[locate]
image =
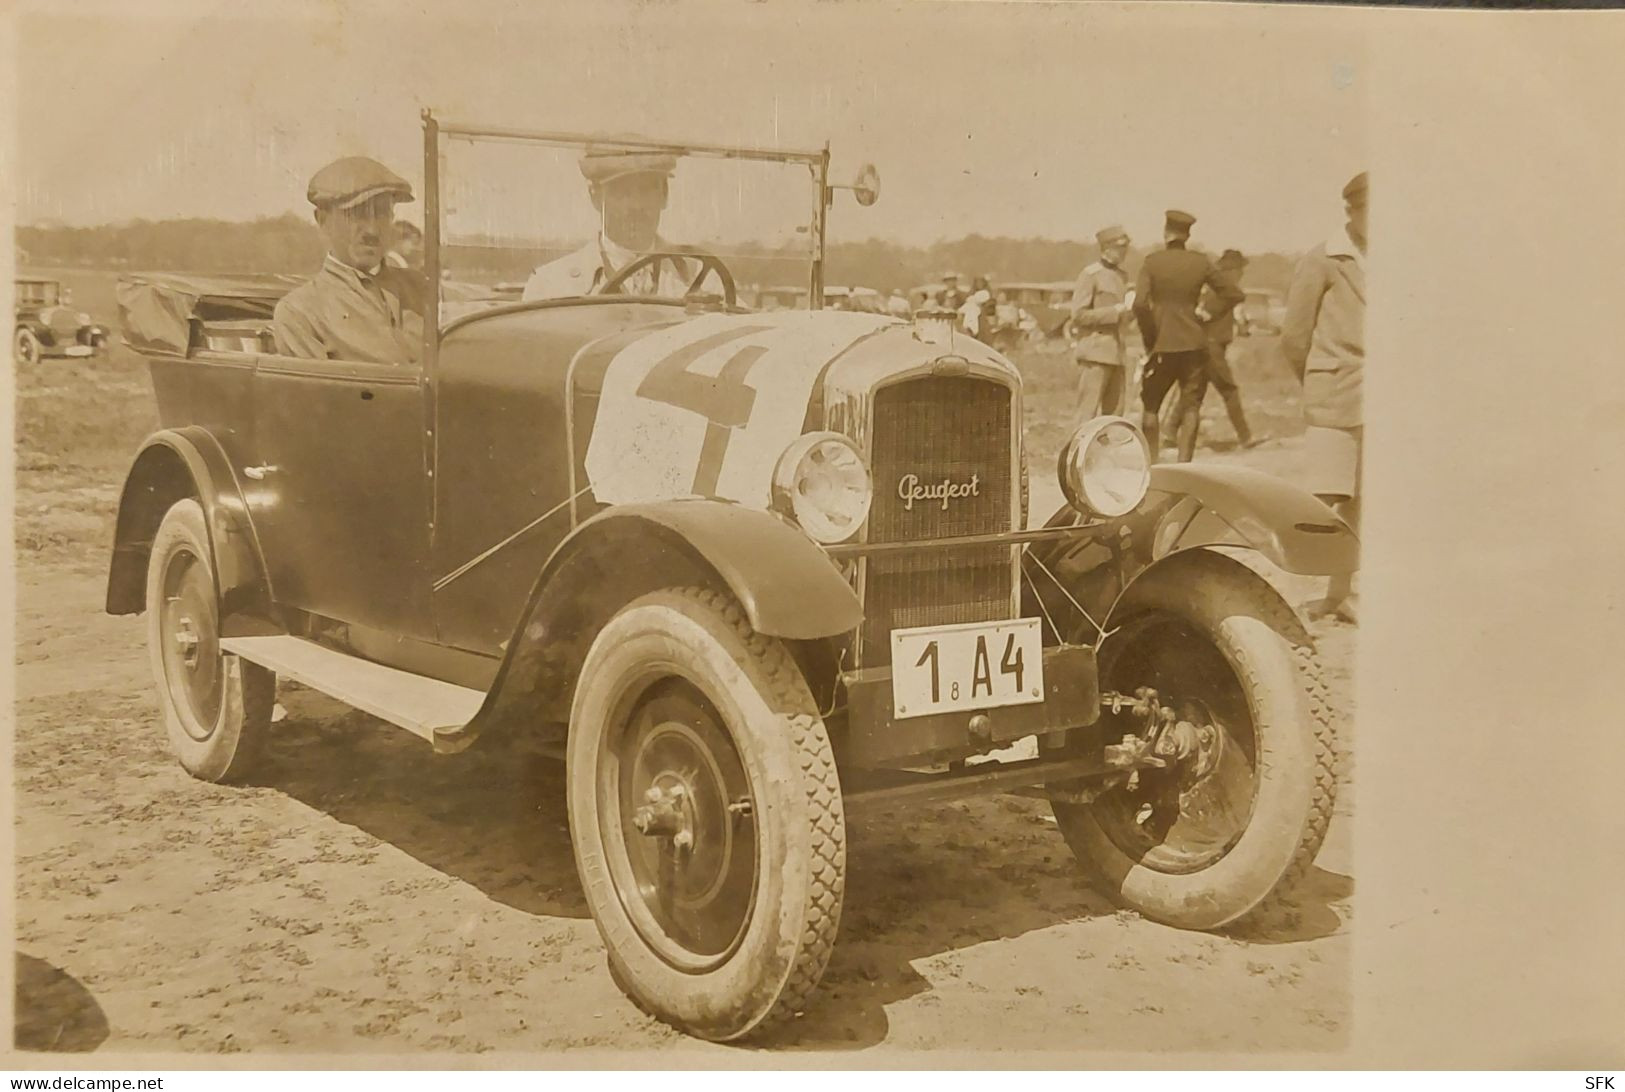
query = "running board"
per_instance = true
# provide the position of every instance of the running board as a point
(421, 705)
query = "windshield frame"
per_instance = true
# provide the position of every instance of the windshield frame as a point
(434, 130)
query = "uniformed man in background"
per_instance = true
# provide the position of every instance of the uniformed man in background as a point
(629, 190)
(358, 306)
(1165, 301)
(1218, 313)
(1323, 340)
(1102, 302)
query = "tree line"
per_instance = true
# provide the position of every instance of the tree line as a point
(291, 244)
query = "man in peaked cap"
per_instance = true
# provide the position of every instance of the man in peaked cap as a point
(1102, 302)
(358, 306)
(1165, 302)
(629, 190)
(1323, 339)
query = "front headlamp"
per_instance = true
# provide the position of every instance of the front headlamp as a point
(822, 484)
(1105, 469)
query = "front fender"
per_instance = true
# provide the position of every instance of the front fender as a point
(1239, 506)
(787, 586)
(174, 464)
(1188, 507)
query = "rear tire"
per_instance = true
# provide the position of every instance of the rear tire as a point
(681, 706)
(1234, 838)
(216, 708)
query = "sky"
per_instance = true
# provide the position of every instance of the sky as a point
(998, 118)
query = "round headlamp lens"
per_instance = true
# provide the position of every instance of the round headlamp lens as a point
(822, 484)
(1106, 467)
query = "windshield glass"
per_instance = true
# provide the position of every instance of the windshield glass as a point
(527, 219)
(37, 293)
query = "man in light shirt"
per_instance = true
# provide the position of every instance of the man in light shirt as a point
(1323, 339)
(629, 189)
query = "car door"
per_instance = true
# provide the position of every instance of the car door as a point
(340, 492)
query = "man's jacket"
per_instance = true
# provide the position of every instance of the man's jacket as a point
(1323, 334)
(1165, 298)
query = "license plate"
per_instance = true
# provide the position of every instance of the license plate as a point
(974, 665)
(77, 350)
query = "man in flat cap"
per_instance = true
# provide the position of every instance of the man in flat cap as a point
(1102, 302)
(1323, 339)
(629, 190)
(1218, 314)
(358, 306)
(1165, 301)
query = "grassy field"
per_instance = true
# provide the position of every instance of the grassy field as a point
(79, 423)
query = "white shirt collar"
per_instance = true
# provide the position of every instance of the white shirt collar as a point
(1339, 244)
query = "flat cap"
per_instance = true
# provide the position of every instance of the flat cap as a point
(352, 180)
(1180, 220)
(604, 164)
(1355, 192)
(1108, 235)
(1232, 259)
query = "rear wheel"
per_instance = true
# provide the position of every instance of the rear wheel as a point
(217, 709)
(706, 815)
(1229, 831)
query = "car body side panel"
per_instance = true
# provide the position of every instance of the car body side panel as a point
(787, 586)
(503, 459)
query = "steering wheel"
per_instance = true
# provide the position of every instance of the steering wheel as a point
(709, 263)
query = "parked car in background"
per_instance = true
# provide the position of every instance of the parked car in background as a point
(48, 325)
(1260, 313)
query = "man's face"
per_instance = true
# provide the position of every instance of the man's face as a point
(631, 206)
(1115, 251)
(410, 248)
(1356, 213)
(359, 235)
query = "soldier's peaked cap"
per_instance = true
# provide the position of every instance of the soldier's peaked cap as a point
(604, 164)
(346, 182)
(1179, 221)
(1355, 192)
(1109, 235)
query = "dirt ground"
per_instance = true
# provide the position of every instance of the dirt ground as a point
(365, 896)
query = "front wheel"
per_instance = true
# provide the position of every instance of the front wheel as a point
(25, 347)
(216, 708)
(706, 815)
(1228, 831)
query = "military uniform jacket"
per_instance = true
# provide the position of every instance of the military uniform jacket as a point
(1097, 324)
(1323, 334)
(1165, 298)
(1220, 305)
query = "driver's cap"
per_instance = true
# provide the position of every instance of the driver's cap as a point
(605, 164)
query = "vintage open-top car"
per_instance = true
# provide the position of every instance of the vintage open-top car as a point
(748, 573)
(45, 324)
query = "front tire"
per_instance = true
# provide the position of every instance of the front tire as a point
(706, 815)
(216, 708)
(25, 347)
(1227, 836)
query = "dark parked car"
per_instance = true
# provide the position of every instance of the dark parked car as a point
(47, 326)
(748, 572)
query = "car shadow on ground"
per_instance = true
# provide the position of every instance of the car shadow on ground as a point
(493, 816)
(55, 1012)
(922, 883)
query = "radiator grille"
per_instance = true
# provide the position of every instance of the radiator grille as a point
(938, 429)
